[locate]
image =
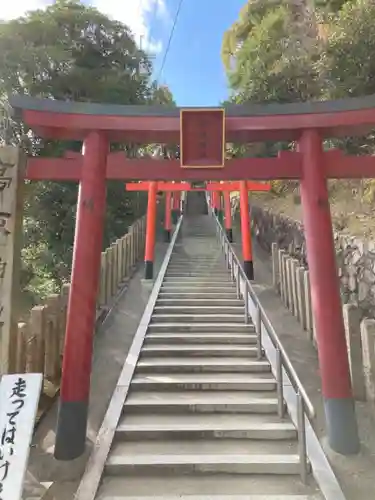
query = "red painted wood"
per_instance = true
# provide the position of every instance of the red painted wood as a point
(168, 211)
(235, 186)
(336, 165)
(247, 252)
(286, 166)
(325, 295)
(227, 210)
(163, 129)
(151, 223)
(202, 138)
(76, 370)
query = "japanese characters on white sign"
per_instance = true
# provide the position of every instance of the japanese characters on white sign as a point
(19, 397)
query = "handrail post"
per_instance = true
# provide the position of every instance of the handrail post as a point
(238, 284)
(279, 380)
(246, 299)
(258, 328)
(301, 429)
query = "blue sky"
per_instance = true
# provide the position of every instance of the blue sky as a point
(193, 69)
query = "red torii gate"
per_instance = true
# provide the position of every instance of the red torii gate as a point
(215, 188)
(202, 135)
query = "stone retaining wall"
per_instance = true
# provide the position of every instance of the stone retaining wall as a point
(355, 257)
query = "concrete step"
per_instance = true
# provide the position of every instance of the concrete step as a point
(198, 350)
(201, 338)
(191, 272)
(230, 464)
(200, 327)
(212, 497)
(178, 295)
(197, 310)
(197, 318)
(198, 288)
(198, 282)
(222, 302)
(159, 426)
(201, 402)
(203, 364)
(198, 279)
(219, 455)
(207, 487)
(204, 381)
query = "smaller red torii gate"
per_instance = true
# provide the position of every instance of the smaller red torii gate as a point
(215, 188)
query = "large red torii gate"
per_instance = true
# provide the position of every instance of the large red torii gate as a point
(202, 134)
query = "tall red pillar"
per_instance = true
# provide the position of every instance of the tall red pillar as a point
(168, 216)
(176, 200)
(150, 231)
(247, 251)
(76, 370)
(327, 309)
(215, 202)
(228, 216)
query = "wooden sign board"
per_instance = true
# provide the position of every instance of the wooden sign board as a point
(202, 138)
(19, 398)
(12, 165)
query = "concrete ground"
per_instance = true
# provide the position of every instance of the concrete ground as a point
(356, 474)
(112, 343)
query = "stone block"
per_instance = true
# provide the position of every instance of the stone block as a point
(275, 267)
(368, 355)
(301, 305)
(293, 266)
(352, 322)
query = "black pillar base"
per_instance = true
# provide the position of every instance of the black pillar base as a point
(229, 233)
(149, 270)
(71, 430)
(248, 267)
(167, 235)
(215, 211)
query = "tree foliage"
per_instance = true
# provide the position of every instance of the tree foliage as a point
(70, 51)
(297, 50)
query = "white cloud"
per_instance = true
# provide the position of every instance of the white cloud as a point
(137, 14)
(16, 8)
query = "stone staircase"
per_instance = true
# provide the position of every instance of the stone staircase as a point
(200, 420)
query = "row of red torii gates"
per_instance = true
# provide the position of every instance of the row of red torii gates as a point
(172, 192)
(202, 135)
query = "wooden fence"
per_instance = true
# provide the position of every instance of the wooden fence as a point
(292, 282)
(40, 340)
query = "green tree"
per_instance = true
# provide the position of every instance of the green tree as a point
(70, 52)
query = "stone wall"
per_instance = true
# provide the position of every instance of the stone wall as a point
(355, 257)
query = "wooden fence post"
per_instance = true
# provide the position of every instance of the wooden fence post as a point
(65, 291)
(275, 267)
(301, 296)
(109, 274)
(114, 269)
(52, 338)
(352, 323)
(37, 331)
(22, 338)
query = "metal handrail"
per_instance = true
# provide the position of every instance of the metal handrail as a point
(304, 404)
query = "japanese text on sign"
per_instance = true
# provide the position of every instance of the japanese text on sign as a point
(19, 396)
(202, 138)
